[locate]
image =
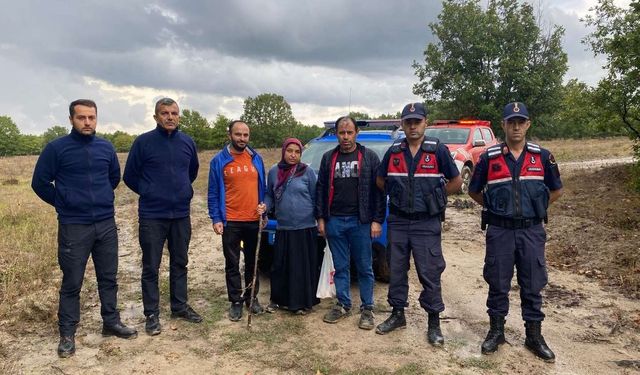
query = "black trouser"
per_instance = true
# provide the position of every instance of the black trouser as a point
(75, 243)
(153, 233)
(422, 239)
(524, 249)
(234, 232)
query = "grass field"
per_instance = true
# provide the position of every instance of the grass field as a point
(566, 150)
(28, 249)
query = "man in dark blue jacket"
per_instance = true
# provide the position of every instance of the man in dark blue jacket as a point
(350, 210)
(161, 167)
(77, 174)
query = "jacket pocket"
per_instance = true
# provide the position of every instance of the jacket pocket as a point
(437, 263)
(436, 201)
(500, 201)
(539, 197)
(490, 271)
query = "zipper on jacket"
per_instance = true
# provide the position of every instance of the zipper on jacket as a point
(90, 175)
(517, 196)
(173, 173)
(411, 181)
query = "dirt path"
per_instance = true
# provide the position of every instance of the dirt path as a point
(585, 324)
(578, 165)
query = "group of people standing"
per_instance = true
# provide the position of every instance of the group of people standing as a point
(345, 202)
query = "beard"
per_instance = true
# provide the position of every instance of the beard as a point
(237, 147)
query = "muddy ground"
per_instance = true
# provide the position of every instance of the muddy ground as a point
(592, 322)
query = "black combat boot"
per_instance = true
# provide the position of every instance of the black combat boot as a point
(67, 346)
(395, 321)
(535, 342)
(434, 334)
(495, 336)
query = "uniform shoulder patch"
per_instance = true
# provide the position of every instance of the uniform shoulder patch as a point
(533, 147)
(494, 151)
(396, 147)
(430, 144)
(553, 166)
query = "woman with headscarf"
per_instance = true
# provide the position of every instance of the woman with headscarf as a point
(291, 192)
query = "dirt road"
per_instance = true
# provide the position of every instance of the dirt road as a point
(585, 323)
(578, 165)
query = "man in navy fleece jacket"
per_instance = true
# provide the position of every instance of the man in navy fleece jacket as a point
(77, 174)
(161, 167)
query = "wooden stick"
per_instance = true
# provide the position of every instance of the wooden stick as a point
(255, 273)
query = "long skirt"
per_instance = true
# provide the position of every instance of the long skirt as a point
(295, 271)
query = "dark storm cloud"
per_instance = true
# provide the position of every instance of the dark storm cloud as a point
(322, 56)
(332, 33)
(115, 41)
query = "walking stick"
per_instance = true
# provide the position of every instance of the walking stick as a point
(255, 273)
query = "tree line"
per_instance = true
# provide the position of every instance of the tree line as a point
(269, 116)
(487, 56)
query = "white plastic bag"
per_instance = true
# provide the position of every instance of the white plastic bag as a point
(326, 287)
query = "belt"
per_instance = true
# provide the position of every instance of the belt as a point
(409, 216)
(509, 223)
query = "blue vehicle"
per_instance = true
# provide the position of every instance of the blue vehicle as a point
(377, 135)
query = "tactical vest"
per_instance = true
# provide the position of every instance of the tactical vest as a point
(521, 196)
(421, 191)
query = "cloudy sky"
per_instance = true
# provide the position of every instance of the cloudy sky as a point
(324, 57)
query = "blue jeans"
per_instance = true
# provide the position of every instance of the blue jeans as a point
(349, 239)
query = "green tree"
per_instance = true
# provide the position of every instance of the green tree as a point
(220, 131)
(9, 137)
(579, 115)
(617, 36)
(270, 118)
(359, 115)
(305, 133)
(484, 59)
(196, 126)
(30, 144)
(389, 116)
(54, 132)
(122, 141)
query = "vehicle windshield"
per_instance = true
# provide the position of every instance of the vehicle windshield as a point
(313, 152)
(449, 135)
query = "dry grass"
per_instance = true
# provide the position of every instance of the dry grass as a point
(27, 246)
(566, 150)
(29, 275)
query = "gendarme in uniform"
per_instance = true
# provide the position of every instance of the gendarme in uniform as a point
(515, 182)
(416, 173)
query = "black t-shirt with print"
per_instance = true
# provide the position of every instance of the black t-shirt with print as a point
(345, 185)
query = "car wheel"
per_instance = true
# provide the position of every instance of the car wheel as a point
(465, 174)
(380, 262)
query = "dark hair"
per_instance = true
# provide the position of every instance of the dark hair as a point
(233, 122)
(345, 119)
(164, 101)
(85, 102)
